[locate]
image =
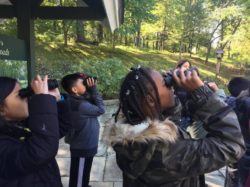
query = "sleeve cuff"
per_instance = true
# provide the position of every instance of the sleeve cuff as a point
(42, 103)
(93, 90)
(201, 95)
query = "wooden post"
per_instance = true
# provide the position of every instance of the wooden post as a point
(219, 54)
(25, 31)
(218, 64)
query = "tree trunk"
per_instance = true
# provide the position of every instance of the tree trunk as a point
(229, 51)
(190, 46)
(180, 47)
(138, 36)
(164, 31)
(111, 38)
(126, 40)
(211, 41)
(137, 39)
(120, 39)
(80, 36)
(218, 64)
(190, 50)
(157, 42)
(55, 25)
(208, 52)
(162, 37)
(114, 38)
(222, 30)
(65, 33)
(99, 32)
(157, 45)
(197, 48)
(219, 60)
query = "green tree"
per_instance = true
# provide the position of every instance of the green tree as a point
(80, 34)
(137, 12)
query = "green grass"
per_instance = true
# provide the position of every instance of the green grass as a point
(80, 53)
(53, 55)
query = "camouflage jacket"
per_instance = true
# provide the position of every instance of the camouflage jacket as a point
(157, 154)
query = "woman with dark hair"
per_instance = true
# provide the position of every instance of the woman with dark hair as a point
(29, 136)
(181, 93)
(153, 151)
(184, 63)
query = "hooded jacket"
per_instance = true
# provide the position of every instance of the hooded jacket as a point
(159, 154)
(28, 159)
(238, 174)
(84, 132)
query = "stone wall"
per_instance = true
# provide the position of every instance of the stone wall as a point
(111, 107)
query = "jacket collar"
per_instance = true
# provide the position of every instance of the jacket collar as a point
(124, 133)
(77, 97)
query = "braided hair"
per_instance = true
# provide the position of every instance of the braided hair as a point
(135, 88)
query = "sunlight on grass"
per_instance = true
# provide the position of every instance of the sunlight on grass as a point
(82, 52)
(206, 72)
(76, 54)
(53, 45)
(129, 48)
(223, 80)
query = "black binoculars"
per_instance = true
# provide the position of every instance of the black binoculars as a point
(27, 92)
(88, 77)
(169, 80)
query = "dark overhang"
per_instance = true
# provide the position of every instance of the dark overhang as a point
(95, 10)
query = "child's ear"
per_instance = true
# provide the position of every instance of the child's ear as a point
(74, 90)
(150, 100)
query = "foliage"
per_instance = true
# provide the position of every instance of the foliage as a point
(110, 73)
(8, 27)
(16, 69)
(158, 29)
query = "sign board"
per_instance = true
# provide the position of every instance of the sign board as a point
(12, 48)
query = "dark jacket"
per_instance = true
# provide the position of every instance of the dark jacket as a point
(84, 135)
(29, 161)
(157, 154)
(238, 178)
(63, 117)
(243, 112)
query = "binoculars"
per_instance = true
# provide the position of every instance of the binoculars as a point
(87, 77)
(169, 80)
(27, 92)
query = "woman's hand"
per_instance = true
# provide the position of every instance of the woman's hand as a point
(39, 85)
(190, 80)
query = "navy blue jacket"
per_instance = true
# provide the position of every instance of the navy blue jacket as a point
(84, 135)
(241, 106)
(30, 162)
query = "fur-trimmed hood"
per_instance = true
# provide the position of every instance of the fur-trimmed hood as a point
(120, 132)
(136, 146)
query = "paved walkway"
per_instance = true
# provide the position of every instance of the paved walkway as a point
(105, 172)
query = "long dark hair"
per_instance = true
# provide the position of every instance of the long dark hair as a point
(7, 84)
(7, 128)
(136, 86)
(181, 62)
